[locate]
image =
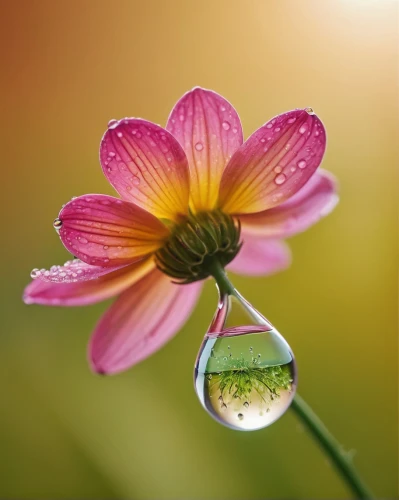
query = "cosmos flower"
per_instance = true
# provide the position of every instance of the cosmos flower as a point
(189, 193)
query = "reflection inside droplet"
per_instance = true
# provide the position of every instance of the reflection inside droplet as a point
(245, 376)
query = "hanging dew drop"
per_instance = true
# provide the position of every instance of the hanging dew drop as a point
(254, 386)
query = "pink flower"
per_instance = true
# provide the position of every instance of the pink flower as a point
(198, 164)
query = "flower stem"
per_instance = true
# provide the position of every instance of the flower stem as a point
(331, 447)
(315, 426)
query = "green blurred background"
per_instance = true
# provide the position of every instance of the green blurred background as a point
(67, 68)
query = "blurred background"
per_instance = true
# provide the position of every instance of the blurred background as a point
(67, 68)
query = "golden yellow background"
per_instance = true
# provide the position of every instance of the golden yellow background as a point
(67, 68)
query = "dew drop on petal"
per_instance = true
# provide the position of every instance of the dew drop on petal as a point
(269, 125)
(57, 224)
(226, 125)
(291, 120)
(278, 169)
(136, 180)
(303, 129)
(113, 123)
(302, 164)
(35, 273)
(119, 134)
(309, 111)
(199, 146)
(280, 179)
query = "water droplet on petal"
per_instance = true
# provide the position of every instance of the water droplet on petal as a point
(235, 130)
(35, 273)
(119, 134)
(57, 224)
(112, 123)
(240, 416)
(199, 146)
(303, 129)
(226, 125)
(309, 111)
(291, 120)
(136, 180)
(302, 164)
(280, 179)
(278, 169)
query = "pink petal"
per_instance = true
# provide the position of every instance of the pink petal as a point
(261, 257)
(316, 199)
(209, 129)
(274, 163)
(93, 285)
(147, 166)
(102, 230)
(140, 322)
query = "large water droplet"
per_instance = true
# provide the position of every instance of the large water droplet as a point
(199, 146)
(226, 125)
(245, 374)
(309, 111)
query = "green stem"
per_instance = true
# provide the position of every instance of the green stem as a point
(222, 281)
(331, 447)
(315, 426)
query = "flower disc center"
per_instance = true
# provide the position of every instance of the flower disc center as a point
(196, 242)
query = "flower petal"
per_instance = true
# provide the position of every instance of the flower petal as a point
(261, 257)
(93, 285)
(103, 230)
(316, 199)
(147, 166)
(209, 129)
(274, 163)
(141, 320)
